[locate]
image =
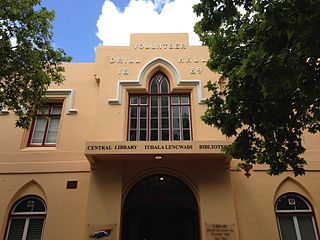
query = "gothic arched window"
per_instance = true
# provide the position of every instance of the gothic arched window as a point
(159, 115)
(295, 218)
(26, 219)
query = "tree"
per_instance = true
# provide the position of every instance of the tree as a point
(268, 95)
(28, 61)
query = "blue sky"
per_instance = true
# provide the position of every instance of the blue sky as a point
(81, 25)
(75, 26)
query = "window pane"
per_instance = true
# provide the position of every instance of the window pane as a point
(184, 99)
(143, 112)
(30, 204)
(306, 226)
(143, 123)
(38, 131)
(185, 112)
(165, 135)
(133, 123)
(154, 123)
(133, 100)
(56, 109)
(176, 134)
(164, 101)
(133, 112)
(154, 101)
(165, 123)
(291, 202)
(154, 112)
(300, 204)
(175, 112)
(16, 229)
(164, 86)
(35, 229)
(176, 123)
(133, 135)
(186, 123)
(164, 112)
(53, 129)
(175, 100)
(154, 135)
(154, 86)
(144, 100)
(143, 135)
(186, 134)
(287, 228)
(44, 110)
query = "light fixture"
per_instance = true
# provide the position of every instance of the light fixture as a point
(161, 178)
(158, 157)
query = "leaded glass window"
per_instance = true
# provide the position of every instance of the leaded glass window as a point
(159, 115)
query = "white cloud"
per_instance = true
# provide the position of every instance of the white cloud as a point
(141, 16)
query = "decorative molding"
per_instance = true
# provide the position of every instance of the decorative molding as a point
(68, 92)
(196, 83)
(150, 64)
(70, 97)
(156, 61)
(121, 83)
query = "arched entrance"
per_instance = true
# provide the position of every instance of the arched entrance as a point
(160, 207)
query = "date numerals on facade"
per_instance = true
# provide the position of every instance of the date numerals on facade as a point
(195, 70)
(123, 71)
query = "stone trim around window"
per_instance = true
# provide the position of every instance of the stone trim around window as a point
(70, 96)
(150, 64)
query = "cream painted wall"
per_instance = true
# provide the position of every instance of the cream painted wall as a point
(65, 207)
(224, 196)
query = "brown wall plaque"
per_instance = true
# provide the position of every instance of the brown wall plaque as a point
(220, 231)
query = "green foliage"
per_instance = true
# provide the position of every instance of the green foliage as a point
(268, 55)
(28, 61)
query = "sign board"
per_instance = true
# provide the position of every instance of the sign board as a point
(220, 231)
(152, 147)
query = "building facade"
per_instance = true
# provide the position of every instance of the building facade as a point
(120, 152)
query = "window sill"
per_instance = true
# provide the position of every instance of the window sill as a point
(37, 148)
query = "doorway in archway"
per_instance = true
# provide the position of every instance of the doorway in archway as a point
(160, 207)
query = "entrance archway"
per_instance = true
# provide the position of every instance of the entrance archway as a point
(160, 207)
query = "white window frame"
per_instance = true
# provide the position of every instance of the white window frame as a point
(27, 216)
(294, 215)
